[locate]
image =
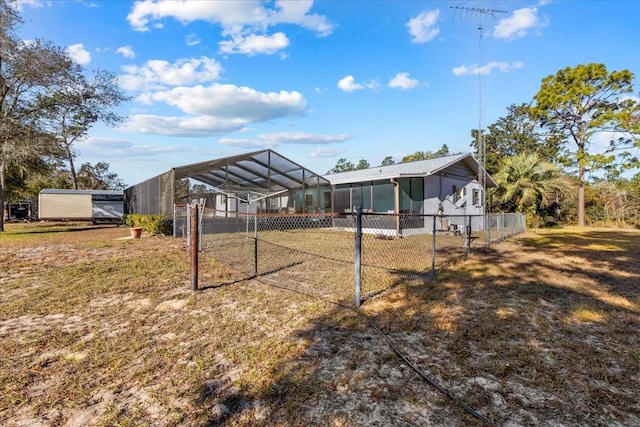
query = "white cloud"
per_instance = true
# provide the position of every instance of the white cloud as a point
(126, 51)
(424, 28)
(303, 138)
(485, 70)
(246, 22)
(519, 24)
(348, 84)
(270, 140)
(192, 40)
(19, 4)
(215, 110)
(112, 148)
(158, 74)
(297, 12)
(326, 152)
(255, 44)
(97, 142)
(232, 101)
(601, 141)
(78, 54)
(199, 126)
(403, 81)
(245, 143)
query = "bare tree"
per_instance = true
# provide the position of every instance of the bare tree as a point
(614, 201)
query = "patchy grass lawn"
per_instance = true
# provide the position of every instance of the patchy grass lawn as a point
(100, 330)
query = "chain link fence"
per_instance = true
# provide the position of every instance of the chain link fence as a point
(337, 255)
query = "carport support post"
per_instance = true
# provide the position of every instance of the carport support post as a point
(193, 246)
(358, 256)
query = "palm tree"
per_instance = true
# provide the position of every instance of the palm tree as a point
(528, 184)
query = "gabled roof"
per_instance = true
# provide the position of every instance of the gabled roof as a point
(420, 168)
(262, 171)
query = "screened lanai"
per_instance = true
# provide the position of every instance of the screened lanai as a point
(447, 184)
(261, 181)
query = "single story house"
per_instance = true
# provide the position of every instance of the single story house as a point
(267, 182)
(446, 185)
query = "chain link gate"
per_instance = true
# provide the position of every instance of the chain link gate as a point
(352, 256)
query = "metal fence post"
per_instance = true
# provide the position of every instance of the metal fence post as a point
(187, 227)
(358, 256)
(433, 248)
(504, 226)
(469, 236)
(201, 216)
(175, 220)
(255, 245)
(194, 246)
(488, 222)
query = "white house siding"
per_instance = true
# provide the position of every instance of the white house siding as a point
(440, 197)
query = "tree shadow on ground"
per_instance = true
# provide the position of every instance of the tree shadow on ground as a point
(60, 230)
(527, 333)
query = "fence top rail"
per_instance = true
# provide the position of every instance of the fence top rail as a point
(299, 214)
(349, 212)
(272, 214)
(430, 215)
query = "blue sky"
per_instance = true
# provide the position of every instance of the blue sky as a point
(320, 80)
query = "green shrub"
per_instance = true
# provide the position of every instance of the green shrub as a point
(154, 224)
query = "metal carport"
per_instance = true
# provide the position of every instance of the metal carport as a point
(263, 172)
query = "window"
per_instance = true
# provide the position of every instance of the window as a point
(356, 196)
(341, 198)
(476, 198)
(383, 196)
(326, 201)
(273, 204)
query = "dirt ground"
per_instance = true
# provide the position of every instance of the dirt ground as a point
(100, 329)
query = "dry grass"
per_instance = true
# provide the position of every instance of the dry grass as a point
(95, 330)
(324, 258)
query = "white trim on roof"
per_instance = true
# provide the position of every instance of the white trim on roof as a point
(417, 169)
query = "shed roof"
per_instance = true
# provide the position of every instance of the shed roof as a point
(262, 171)
(68, 191)
(418, 168)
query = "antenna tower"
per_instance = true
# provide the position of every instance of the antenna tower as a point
(482, 174)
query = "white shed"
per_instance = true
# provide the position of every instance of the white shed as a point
(81, 205)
